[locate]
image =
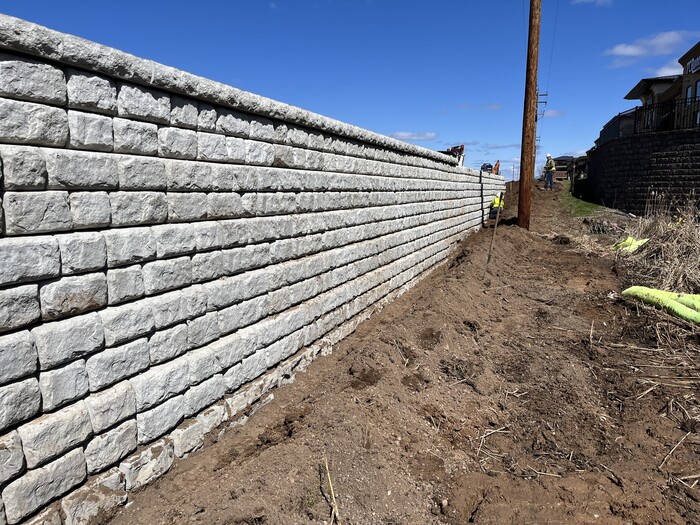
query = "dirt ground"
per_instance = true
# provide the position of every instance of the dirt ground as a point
(535, 395)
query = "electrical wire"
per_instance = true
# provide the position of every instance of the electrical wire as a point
(551, 56)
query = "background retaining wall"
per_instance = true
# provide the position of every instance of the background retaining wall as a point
(635, 172)
(173, 248)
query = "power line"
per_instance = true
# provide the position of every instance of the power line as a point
(551, 56)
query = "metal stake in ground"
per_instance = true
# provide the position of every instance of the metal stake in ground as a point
(493, 236)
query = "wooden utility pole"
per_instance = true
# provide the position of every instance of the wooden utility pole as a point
(527, 151)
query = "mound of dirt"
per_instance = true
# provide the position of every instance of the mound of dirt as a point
(518, 398)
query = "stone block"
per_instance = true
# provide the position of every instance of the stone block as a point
(107, 449)
(129, 246)
(63, 341)
(114, 364)
(11, 456)
(183, 112)
(143, 103)
(160, 383)
(23, 168)
(28, 259)
(208, 266)
(199, 397)
(259, 153)
(224, 205)
(19, 307)
(51, 435)
(111, 406)
(138, 207)
(211, 146)
(140, 138)
(124, 284)
(224, 176)
(231, 349)
(73, 295)
(36, 212)
(90, 209)
(82, 252)
(89, 131)
(168, 309)
(202, 330)
(38, 487)
(149, 465)
(174, 239)
(261, 129)
(139, 173)
(208, 235)
(19, 402)
(49, 516)
(206, 121)
(90, 92)
(236, 149)
(126, 322)
(76, 170)
(96, 500)
(212, 417)
(190, 175)
(231, 122)
(156, 422)
(160, 276)
(30, 123)
(177, 143)
(27, 79)
(60, 386)
(18, 357)
(196, 301)
(186, 206)
(187, 438)
(168, 344)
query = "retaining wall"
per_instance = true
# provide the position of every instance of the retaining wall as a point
(635, 172)
(173, 248)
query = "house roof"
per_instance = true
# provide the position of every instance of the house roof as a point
(644, 85)
(693, 52)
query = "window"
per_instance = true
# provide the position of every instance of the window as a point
(688, 95)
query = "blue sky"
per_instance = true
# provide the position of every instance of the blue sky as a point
(434, 73)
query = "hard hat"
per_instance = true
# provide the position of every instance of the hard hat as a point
(549, 155)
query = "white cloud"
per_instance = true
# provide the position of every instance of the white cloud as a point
(493, 107)
(672, 67)
(596, 2)
(664, 43)
(411, 135)
(552, 113)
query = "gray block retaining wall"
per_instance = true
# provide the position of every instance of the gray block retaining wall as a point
(172, 249)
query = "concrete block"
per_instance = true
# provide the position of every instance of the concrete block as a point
(60, 386)
(130, 136)
(203, 395)
(28, 259)
(211, 146)
(107, 449)
(160, 276)
(82, 252)
(147, 466)
(114, 364)
(156, 422)
(138, 173)
(90, 209)
(111, 406)
(90, 92)
(189, 175)
(236, 149)
(224, 205)
(160, 383)
(36, 212)
(18, 357)
(27, 79)
(19, 402)
(19, 307)
(259, 153)
(38, 487)
(231, 349)
(202, 364)
(208, 266)
(167, 344)
(96, 500)
(186, 206)
(208, 235)
(196, 301)
(261, 129)
(143, 103)
(168, 309)
(183, 112)
(89, 131)
(50, 435)
(298, 137)
(73, 295)
(138, 207)
(231, 122)
(129, 246)
(124, 284)
(177, 143)
(212, 417)
(63, 341)
(76, 170)
(187, 438)
(174, 239)
(206, 121)
(224, 177)
(11, 456)
(23, 168)
(30, 123)
(126, 322)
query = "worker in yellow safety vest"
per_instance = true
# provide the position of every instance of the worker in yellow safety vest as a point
(496, 206)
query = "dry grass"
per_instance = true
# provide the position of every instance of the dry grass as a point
(671, 259)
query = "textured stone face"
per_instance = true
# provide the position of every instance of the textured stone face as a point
(11, 456)
(73, 295)
(18, 307)
(18, 402)
(143, 103)
(131, 136)
(64, 341)
(149, 465)
(30, 212)
(81, 252)
(124, 284)
(111, 406)
(28, 259)
(81, 170)
(91, 92)
(129, 246)
(60, 386)
(23, 168)
(140, 207)
(90, 210)
(18, 356)
(88, 131)
(99, 497)
(27, 79)
(30, 123)
(122, 323)
(115, 364)
(141, 173)
(107, 449)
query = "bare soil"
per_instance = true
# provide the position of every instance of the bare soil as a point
(524, 397)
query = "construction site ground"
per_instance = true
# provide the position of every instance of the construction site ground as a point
(533, 395)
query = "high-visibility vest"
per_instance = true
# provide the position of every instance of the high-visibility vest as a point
(497, 202)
